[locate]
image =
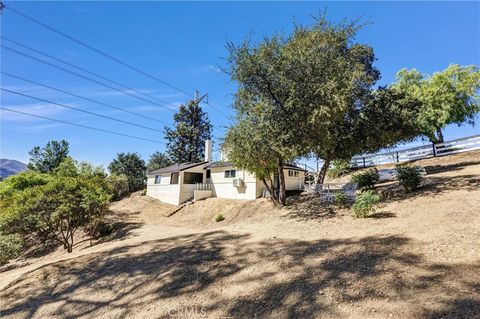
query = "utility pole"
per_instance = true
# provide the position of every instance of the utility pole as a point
(199, 98)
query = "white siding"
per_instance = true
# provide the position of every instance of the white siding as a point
(174, 194)
(294, 183)
(223, 187)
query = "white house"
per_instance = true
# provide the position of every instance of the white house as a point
(178, 183)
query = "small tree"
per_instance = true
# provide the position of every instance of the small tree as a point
(446, 97)
(158, 160)
(57, 209)
(132, 166)
(48, 158)
(186, 142)
(248, 148)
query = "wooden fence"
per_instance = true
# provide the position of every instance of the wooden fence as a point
(460, 145)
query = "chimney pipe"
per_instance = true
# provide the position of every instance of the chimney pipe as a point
(208, 151)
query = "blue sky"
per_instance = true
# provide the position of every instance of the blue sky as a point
(183, 43)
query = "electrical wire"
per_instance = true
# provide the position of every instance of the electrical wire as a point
(80, 125)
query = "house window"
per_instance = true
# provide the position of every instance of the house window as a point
(230, 173)
(192, 178)
(292, 173)
(209, 173)
(158, 178)
(174, 178)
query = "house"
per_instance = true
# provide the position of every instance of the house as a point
(178, 183)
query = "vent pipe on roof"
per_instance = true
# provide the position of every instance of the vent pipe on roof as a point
(208, 151)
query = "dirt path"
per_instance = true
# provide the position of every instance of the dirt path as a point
(418, 258)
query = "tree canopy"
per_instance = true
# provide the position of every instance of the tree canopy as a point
(312, 92)
(133, 167)
(48, 158)
(446, 97)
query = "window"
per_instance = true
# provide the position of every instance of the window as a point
(174, 178)
(158, 178)
(209, 173)
(292, 173)
(192, 178)
(230, 173)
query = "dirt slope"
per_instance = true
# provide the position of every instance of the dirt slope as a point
(419, 257)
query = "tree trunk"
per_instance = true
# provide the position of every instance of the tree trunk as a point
(272, 191)
(282, 197)
(323, 171)
(440, 136)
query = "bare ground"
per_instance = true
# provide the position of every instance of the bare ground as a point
(418, 257)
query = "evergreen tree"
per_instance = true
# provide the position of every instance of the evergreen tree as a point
(186, 142)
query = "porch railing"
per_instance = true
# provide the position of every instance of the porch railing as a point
(204, 186)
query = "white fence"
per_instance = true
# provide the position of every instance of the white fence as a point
(451, 147)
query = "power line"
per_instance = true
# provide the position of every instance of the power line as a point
(80, 97)
(85, 70)
(81, 125)
(82, 76)
(80, 110)
(107, 55)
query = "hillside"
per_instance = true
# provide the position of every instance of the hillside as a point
(11, 167)
(418, 257)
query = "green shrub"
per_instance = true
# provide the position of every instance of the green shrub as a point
(340, 167)
(366, 180)
(364, 205)
(118, 186)
(47, 209)
(341, 199)
(21, 181)
(219, 218)
(10, 247)
(409, 177)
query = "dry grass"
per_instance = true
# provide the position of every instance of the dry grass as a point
(419, 258)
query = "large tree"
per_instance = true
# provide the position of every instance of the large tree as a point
(186, 142)
(312, 92)
(48, 158)
(446, 97)
(132, 166)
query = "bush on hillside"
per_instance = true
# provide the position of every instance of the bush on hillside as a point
(340, 167)
(341, 199)
(364, 206)
(21, 181)
(56, 209)
(10, 247)
(219, 218)
(366, 180)
(118, 186)
(409, 177)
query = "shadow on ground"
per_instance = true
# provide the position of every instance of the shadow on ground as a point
(219, 274)
(310, 207)
(432, 186)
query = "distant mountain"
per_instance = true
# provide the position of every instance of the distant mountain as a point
(11, 167)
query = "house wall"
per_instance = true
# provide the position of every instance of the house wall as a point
(164, 191)
(172, 194)
(223, 187)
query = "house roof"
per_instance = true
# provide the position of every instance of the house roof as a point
(175, 168)
(227, 164)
